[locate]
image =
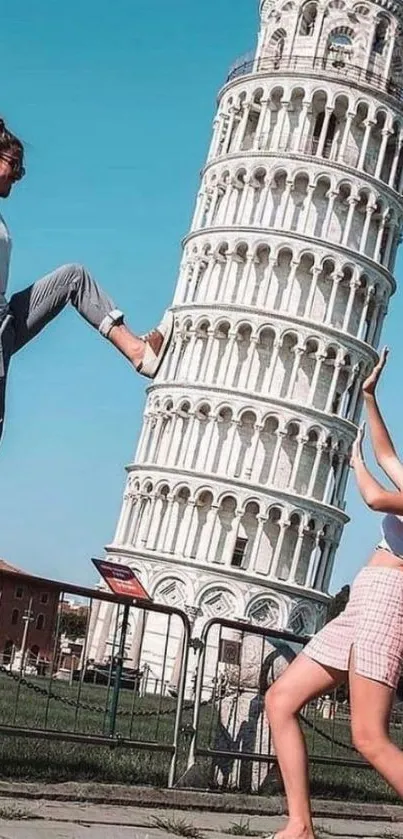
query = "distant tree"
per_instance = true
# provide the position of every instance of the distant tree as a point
(74, 624)
(338, 603)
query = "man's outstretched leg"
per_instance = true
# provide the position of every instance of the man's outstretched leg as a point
(36, 306)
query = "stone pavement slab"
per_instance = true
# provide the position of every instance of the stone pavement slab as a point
(61, 820)
(52, 830)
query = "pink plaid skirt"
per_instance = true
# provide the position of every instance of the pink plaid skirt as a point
(372, 624)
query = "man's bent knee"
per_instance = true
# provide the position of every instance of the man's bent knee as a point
(71, 273)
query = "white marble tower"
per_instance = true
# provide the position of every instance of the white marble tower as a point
(234, 504)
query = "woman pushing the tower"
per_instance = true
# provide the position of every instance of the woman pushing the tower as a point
(363, 645)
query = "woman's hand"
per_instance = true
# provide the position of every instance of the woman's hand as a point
(357, 453)
(369, 386)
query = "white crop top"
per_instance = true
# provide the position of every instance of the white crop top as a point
(392, 534)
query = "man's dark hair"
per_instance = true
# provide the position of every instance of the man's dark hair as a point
(9, 142)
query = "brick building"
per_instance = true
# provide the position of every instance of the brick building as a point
(28, 612)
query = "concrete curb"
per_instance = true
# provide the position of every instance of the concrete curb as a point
(116, 795)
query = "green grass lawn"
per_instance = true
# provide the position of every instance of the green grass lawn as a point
(140, 719)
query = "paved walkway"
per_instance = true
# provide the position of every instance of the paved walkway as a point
(27, 819)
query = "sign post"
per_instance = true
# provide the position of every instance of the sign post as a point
(122, 581)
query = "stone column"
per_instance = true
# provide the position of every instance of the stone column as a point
(315, 378)
(189, 535)
(272, 263)
(337, 279)
(290, 284)
(354, 286)
(393, 170)
(302, 440)
(268, 376)
(162, 539)
(332, 195)
(219, 192)
(277, 552)
(143, 436)
(231, 443)
(379, 238)
(352, 202)
(243, 124)
(222, 378)
(188, 437)
(368, 218)
(315, 555)
(244, 284)
(386, 133)
(276, 455)
(346, 134)
(368, 127)
(325, 126)
(302, 121)
(121, 530)
(281, 120)
(230, 547)
(256, 545)
(315, 469)
(230, 125)
(298, 352)
(297, 554)
(335, 378)
(308, 202)
(218, 126)
(284, 203)
(210, 532)
(361, 329)
(253, 451)
(312, 292)
(264, 105)
(389, 245)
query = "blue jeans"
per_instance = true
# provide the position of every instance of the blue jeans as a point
(30, 310)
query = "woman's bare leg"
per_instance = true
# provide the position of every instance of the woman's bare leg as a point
(303, 680)
(371, 705)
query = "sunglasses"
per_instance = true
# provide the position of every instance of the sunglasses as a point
(15, 164)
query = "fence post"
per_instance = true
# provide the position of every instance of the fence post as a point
(118, 670)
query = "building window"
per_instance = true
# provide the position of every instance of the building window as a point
(308, 19)
(239, 553)
(15, 616)
(40, 623)
(19, 592)
(380, 38)
(340, 39)
(44, 598)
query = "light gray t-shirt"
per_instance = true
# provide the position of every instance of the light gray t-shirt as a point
(5, 253)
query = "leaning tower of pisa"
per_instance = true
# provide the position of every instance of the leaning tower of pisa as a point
(234, 504)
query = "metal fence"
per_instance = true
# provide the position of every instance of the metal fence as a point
(144, 716)
(333, 64)
(50, 690)
(233, 749)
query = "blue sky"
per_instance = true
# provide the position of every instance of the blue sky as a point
(115, 102)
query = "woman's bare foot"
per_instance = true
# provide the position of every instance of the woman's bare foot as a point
(293, 831)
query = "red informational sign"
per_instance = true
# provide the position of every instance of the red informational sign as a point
(121, 579)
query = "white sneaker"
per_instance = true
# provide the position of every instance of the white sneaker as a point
(156, 345)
